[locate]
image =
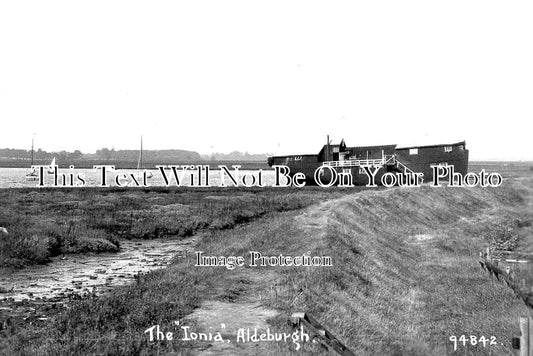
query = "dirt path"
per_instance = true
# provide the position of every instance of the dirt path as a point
(247, 311)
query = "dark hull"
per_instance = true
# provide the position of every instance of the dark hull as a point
(402, 160)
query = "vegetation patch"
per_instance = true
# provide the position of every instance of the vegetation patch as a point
(48, 222)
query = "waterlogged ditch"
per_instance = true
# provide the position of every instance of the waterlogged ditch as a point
(35, 291)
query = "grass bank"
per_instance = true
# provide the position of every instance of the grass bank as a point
(405, 276)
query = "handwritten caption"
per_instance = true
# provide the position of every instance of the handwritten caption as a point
(185, 333)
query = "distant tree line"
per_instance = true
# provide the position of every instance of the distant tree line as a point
(236, 156)
(104, 154)
(38, 154)
(127, 157)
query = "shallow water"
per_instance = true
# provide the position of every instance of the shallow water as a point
(86, 273)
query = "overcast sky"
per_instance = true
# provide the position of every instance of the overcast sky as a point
(267, 77)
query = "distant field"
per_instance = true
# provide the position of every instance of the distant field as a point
(506, 169)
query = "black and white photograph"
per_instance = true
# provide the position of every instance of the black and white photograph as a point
(266, 178)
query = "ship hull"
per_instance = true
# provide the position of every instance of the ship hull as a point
(344, 166)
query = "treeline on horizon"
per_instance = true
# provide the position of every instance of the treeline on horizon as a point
(125, 158)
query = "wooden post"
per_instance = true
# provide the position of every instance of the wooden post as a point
(530, 336)
(524, 337)
(489, 257)
(325, 337)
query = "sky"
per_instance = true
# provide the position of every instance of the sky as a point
(272, 77)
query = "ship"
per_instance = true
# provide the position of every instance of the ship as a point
(362, 161)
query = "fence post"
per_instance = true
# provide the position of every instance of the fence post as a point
(530, 336)
(524, 337)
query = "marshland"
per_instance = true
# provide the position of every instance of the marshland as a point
(405, 275)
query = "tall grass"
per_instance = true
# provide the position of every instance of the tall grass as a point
(49, 222)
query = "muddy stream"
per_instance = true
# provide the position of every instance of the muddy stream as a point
(32, 291)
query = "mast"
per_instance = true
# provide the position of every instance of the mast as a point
(327, 148)
(141, 157)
